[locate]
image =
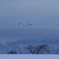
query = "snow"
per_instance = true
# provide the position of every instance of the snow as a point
(29, 56)
(19, 45)
(24, 24)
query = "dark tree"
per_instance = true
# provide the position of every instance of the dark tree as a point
(40, 49)
(12, 52)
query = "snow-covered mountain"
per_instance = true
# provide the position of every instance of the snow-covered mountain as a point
(17, 38)
(19, 45)
(24, 24)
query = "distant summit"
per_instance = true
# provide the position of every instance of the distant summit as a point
(24, 24)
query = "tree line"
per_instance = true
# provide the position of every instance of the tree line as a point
(39, 49)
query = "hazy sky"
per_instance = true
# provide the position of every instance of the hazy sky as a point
(42, 12)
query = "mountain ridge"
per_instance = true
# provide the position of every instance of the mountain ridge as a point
(24, 24)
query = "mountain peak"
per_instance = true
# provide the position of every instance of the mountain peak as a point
(24, 24)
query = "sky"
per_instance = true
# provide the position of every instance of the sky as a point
(42, 12)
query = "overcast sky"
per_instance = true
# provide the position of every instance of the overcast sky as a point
(42, 12)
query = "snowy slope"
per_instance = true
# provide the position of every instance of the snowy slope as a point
(19, 45)
(24, 24)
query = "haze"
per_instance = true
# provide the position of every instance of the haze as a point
(42, 12)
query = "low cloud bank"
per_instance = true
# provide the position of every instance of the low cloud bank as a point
(14, 33)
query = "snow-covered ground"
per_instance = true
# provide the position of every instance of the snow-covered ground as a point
(27, 56)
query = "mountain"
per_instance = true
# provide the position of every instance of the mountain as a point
(24, 24)
(19, 45)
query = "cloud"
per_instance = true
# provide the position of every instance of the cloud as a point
(28, 33)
